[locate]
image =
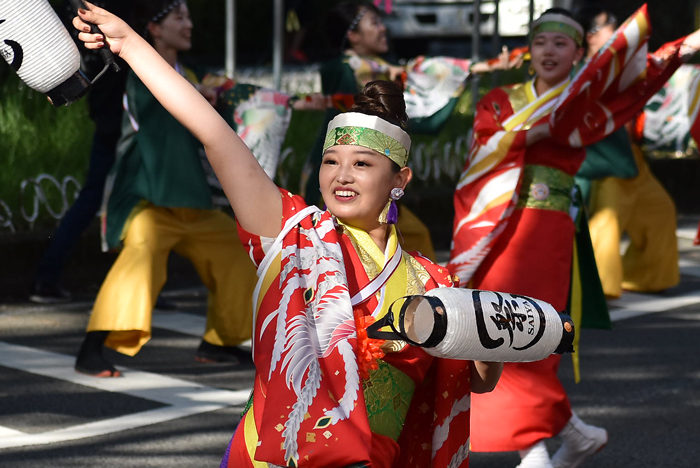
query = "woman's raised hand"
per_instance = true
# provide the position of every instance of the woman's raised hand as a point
(115, 31)
(247, 186)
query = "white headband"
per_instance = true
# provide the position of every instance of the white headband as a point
(563, 21)
(357, 119)
(375, 133)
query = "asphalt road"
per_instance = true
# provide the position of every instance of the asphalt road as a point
(641, 381)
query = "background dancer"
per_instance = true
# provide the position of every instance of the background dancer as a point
(158, 200)
(523, 242)
(636, 205)
(105, 107)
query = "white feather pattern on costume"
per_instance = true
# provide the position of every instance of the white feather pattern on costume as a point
(466, 263)
(459, 457)
(299, 409)
(352, 384)
(281, 315)
(326, 325)
(442, 431)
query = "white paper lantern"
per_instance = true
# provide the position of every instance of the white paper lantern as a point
(471, 324)
(39, 48)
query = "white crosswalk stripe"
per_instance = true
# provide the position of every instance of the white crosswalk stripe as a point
(183, 398)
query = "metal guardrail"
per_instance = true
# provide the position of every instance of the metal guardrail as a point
(38, 186)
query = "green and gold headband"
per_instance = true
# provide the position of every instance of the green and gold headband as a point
(555, 22)
(369, 131)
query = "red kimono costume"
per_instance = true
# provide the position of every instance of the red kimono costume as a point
(513, 230)
(310, 405)
(532, 257)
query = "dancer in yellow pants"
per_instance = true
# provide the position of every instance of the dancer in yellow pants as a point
(641, 208)
(624, 203)
(209, 239)
(158, 200)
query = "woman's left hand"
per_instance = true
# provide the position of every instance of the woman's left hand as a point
(485, 376)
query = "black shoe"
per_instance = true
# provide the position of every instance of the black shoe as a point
(208, 352)
(90, 360)
(49, 293)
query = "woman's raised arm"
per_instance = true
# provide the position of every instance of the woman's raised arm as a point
(254, 197)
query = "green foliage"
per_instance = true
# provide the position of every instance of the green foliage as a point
(37, 138)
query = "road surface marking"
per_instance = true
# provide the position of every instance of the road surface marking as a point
(182, 397)
(635, 305)
(182, 322)
(686, 232)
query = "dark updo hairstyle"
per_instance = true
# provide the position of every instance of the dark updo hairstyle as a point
(383, 99)
(145, 11)
(340, 19)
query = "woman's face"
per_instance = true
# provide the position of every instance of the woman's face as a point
(600, 33)
(356, 183)
(553, 56)
(369, 38)
(175, 30)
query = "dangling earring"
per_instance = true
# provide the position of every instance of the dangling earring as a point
(390, 213)
(531, 70)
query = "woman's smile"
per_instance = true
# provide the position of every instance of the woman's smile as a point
(345, 195)
(549, 65)
(356, 182)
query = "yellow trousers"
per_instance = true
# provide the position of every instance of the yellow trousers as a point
(642, 208)
(209, 239)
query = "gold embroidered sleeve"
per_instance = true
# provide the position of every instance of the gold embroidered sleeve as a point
(417, 276)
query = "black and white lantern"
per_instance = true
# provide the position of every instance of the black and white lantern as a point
(471, 324)
(39, 48)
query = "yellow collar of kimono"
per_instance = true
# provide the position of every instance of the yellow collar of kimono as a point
(553, 92)
(395, 287)
(537, 107)
(369, 131)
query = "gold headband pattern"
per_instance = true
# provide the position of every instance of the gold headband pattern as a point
(368, 131)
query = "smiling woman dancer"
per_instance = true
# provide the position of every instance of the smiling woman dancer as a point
(335, 398)
(528, 248)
